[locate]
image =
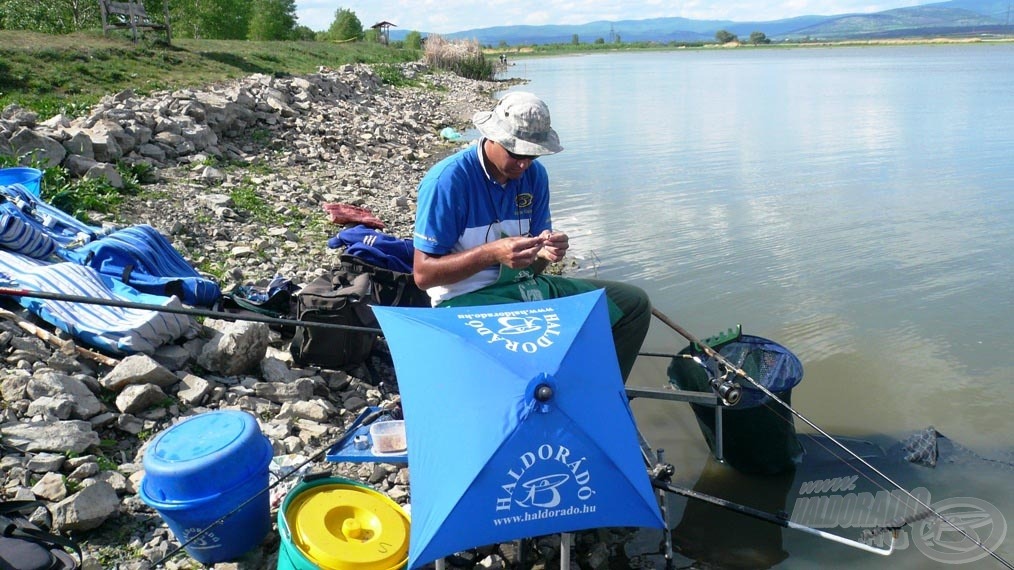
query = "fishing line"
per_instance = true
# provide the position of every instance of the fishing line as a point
(742, 374)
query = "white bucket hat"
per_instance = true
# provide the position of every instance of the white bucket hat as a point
(519, 123)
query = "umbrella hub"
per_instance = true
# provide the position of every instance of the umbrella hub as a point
(541, 391)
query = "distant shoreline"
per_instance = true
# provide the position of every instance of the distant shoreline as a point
(582, 49)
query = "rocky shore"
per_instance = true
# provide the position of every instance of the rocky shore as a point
(241, 172)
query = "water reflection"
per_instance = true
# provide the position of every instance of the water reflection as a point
(715, 535)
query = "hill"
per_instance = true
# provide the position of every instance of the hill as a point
(954, 18)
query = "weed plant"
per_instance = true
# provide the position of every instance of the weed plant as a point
(462, 57)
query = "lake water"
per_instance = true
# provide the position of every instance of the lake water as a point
(855, 204)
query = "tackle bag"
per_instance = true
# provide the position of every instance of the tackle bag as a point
(24, 546)
(344, 297)
(143, 258)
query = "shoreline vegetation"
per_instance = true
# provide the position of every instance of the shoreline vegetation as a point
(588, 48)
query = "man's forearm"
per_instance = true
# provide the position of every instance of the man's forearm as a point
(434, 271)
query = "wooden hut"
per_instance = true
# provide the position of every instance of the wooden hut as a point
(384, 29)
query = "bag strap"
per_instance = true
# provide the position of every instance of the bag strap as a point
(14, 530)
(354, 265)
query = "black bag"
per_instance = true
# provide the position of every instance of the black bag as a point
(344, 297)
(24, 546)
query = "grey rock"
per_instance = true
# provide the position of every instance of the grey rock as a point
(46, 150)
(87, 509)
(238, 348)
(56, 436)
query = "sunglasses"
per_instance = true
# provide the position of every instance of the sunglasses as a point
(520, 157)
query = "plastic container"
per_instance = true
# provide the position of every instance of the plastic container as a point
(30, 178)
(337, 524)
(388, 437)
(204, 468)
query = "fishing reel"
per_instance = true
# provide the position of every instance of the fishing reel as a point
(726, 389)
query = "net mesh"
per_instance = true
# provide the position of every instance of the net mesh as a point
(769, 363)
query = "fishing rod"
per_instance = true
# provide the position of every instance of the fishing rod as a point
(191, 311)
(771, 518)
(742, 374)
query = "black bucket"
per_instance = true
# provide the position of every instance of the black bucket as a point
(759, 435)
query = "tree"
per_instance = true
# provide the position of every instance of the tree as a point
(759, 38)
(724, 37)
(52, 17)
(574, 40)
(211, 19)
(304, 34)
(272, 20)
(413, 40)
(346, 26)
(600, 40)
(372, 36)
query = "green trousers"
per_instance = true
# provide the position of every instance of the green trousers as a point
(629, 307)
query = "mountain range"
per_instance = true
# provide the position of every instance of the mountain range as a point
(952, 18)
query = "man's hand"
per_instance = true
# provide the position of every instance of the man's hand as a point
(517, 252)
(554, 245)
(514, 252)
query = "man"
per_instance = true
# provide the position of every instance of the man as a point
(483, 230)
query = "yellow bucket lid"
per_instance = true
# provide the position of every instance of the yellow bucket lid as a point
(348, 527)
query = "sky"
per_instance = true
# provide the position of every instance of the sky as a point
(447, 16)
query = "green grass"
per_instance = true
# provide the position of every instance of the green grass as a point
(50, 73)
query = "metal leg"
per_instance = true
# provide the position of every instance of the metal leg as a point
(664, 499)
(719, 438)
(440, 564)
(566, 541)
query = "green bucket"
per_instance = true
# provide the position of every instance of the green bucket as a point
(339, 524)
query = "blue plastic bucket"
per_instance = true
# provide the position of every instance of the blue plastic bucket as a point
(30, 178)
(203, 468)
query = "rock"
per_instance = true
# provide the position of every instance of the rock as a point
(46, 150)
(86, 509)
(138, 369)
(57, 436)
(237, 348)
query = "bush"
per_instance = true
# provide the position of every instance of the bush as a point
(462, 57)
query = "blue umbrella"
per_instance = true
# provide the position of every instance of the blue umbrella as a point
(517, 422)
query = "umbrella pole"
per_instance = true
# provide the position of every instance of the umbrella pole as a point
(566, 541)
(773, 519)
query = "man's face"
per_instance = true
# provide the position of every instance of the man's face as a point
(511, 165)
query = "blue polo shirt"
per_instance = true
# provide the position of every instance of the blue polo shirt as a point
(460, 206)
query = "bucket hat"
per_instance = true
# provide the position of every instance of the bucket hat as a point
(520, 123)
